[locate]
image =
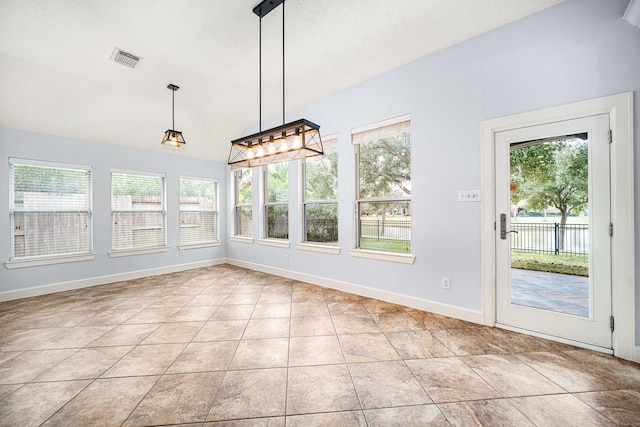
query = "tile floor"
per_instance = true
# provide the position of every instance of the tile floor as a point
(225, 346)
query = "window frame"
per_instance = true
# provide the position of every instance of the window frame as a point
(144, 249)
(50, 258)
(236, 235)
(359, 137)
(266, 240)
(330, 144)
(216, 212)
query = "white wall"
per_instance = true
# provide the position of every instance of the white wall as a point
(578, 50)
(102, 158)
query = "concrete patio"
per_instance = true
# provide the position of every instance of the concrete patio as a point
(550, 291)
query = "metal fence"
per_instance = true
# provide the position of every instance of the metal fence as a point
(532, 237)
(326, 230)
(550, 238)
(277, 222)
(387, 230)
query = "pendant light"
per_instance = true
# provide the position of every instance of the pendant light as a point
(173, 138)
(290, 141)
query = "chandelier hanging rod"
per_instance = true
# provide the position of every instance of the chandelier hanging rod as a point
(173, 88)
(263, 10)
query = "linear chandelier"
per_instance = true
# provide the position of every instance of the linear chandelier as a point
(173, 138)
(291, 141)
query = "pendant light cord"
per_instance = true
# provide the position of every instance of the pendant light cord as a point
(260, 73)
(173, 109)
(260, 79)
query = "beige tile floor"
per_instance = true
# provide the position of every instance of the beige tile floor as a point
(225, 346)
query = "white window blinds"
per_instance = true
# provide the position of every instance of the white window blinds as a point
(50, 209)
(137, 210)
(198, 211)
(382, 130)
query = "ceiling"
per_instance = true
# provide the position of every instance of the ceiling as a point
(56, 76)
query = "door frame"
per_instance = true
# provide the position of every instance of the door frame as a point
(620, 110)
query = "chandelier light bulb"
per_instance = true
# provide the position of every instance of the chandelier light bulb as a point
(296, 141)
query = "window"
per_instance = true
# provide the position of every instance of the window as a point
(320, 196)
(49, 209)
(243, 193)
(383, 165)
(137, 212)
(198, 211)
(276, 201)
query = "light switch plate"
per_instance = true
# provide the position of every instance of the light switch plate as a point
(469, 196)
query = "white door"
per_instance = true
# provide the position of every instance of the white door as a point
(542, 171)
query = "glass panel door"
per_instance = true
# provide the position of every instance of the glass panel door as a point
(553, 249)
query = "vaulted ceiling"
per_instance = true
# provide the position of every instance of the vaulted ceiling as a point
(56, 76)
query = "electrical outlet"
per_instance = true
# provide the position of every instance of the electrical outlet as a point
(446, 283)
(181, 252)
(286, 257)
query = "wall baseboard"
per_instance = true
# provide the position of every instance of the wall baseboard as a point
(405, 300)
(102, 280)
(392, 297)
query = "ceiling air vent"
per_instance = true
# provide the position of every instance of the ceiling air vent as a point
(125, 58)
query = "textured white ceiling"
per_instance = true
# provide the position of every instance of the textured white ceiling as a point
(56, 76)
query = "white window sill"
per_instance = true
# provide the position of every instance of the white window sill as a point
(383, 256)
(141, 251)
(241, 239)
(317, 247)
(199, 245)
(277, 243)
(48, 261)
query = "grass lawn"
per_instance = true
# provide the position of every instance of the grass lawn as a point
(550, 219)
(564, 264)
(388, 218)
(367, 243)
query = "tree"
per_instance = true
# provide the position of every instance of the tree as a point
(45, 179)
(552, 173)
(321, 195)
(278, 182)
(385, 168)
(244, 186)
(124, 184)
(385, 173)
(277, 209)
(197, 188)
(321, 176)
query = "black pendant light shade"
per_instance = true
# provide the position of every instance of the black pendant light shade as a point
(173, 138)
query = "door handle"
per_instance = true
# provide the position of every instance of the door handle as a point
(503, 227)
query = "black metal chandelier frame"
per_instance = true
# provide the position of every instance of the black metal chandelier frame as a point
(290, 141)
